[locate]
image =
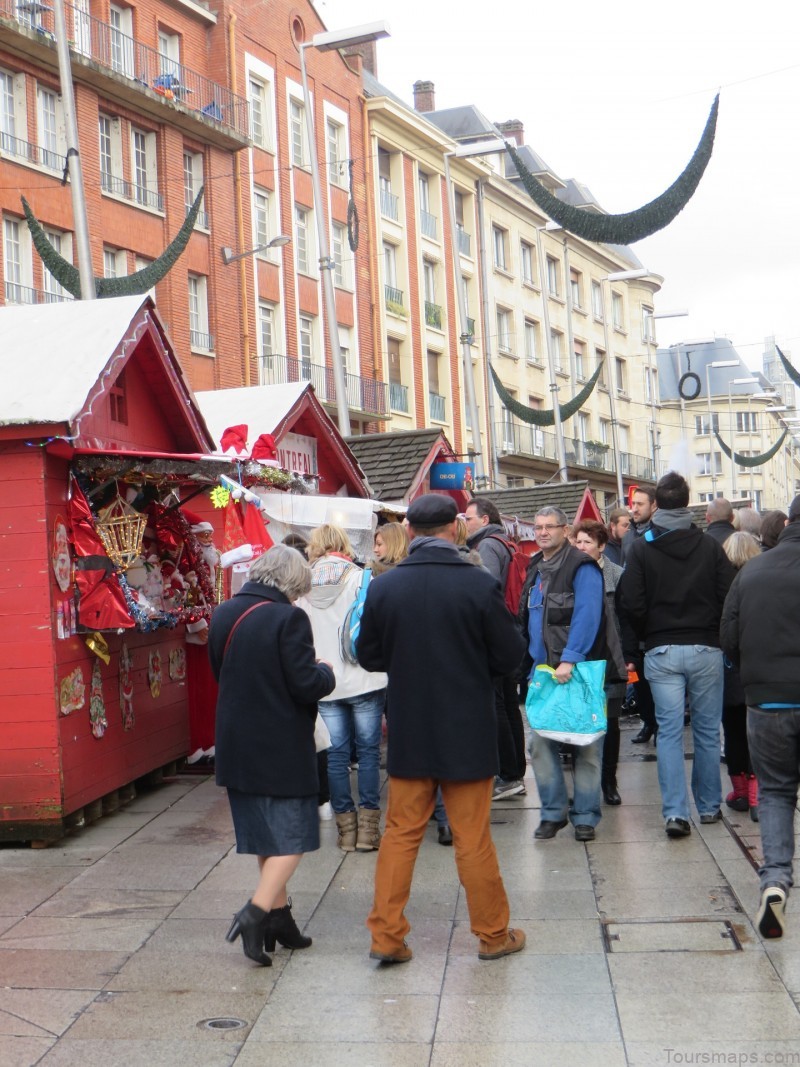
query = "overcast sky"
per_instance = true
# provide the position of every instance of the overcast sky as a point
(616, 95)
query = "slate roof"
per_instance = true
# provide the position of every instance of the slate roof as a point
(463, 123)
(524, 503)
(391, 461)
(672, 365)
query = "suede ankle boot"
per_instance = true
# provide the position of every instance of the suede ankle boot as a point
(251, 925)
(369, 831)
(346, 825)
(283, 928)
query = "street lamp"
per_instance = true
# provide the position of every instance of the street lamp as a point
(731, 383)
(716, 364)
(325, 42)
(479, 148)
(678, 313)
(561, 452)
(229, 256)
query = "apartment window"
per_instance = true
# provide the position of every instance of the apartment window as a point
(306, 346)
(8, 112)
(600, 361)
(757, 497)
(583, 428)
(617, 317)
(620, 374)
(30, 14)
(266, 341)
(18, 262)
(143, 167)
(115, 263)
(705, 459)
(169, 48)
(532, 341)
(297, 133)
(747, 422)
(597, 300)
(345, 347)
(500, 243)
(53, 290)
(429, 281)
(109, 158)
(624, 440)
(648, 325)
(389, 265)
(526, 262)
(701, 424)
(390, 205)
(553, 279)
(650, 384)
(557, 346)
(515, 481)
(341, 257)
(301, 239)
(52, 137)
(82, 27)
(504, 330)
(192, 183)
(121, 22)
(576, 288)
(580, 361)
(261, 221)
(605, 431)
(259, 123)
(199, 337)
(507, 428)
(426, 218)
(337, 164)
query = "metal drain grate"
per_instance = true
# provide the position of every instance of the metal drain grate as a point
(223, 1023)
(670, 935)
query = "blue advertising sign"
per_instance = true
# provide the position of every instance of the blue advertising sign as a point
(452, 476)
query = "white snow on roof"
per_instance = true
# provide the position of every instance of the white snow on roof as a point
(260, 407)
(51, 355)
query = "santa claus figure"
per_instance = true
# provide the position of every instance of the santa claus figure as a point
(204, 532)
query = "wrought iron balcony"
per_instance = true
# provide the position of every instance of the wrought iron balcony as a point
(433, 315)
(436, 403)
(390, 205)
(519, 438)
(393, 299)
(203, 341)
(427, 223)
(105, 45)
(137, 194)
(22, 294)
(464, 241)
(202, 218)
(364, 395)
(398, 397)
(32, 153)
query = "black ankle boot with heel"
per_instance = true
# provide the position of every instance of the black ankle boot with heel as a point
(251, 924)
(282, 927)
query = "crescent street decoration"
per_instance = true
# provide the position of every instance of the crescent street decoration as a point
(139, 282)
(790, 370)
(633, 225)
(751, 461)
(547, 417)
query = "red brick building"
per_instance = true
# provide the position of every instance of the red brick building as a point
(175, 94)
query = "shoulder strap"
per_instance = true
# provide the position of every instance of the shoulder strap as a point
(242, 617)
(509, 545)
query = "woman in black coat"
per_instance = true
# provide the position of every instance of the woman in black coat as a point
(262, 654)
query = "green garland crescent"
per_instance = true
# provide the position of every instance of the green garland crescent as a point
(546, 417)
(633, 225)
(751, 461)
(132, 284)
(790, 370)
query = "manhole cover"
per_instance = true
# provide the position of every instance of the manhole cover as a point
(224, 1023)
(679, 935)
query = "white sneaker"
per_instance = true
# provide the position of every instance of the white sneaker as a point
(195, 756)
(769, 919)
(326, 811)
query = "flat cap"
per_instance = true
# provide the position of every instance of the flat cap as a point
(432, 510)
(794, 510)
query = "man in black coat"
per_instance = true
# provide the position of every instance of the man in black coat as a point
(439, 627)
(760, 633)
(719, 516)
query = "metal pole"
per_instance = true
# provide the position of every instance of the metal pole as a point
(612, 396)
(750, 443)
(561, 454)
(653, 413)
(733, 442)
(83, 247)
(710, 434)
(466, 348)
(570, 334)
(325, 262)
(486, 333)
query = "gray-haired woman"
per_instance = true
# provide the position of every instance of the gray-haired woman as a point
(262, 653)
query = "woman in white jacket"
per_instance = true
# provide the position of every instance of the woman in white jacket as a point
(355, 707)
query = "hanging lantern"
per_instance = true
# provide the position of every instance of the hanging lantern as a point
(121, 529)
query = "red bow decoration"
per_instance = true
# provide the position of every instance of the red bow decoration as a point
(234, 437)
(264, 448)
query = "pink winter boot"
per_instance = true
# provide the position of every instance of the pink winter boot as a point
(752, 793)
(738, 796)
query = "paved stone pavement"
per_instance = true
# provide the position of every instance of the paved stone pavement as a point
(641, 950)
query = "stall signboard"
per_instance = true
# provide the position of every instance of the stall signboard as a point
(298, 453)
(452, 476)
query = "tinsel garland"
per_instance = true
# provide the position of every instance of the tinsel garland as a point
(545, 417)
(632, 225)
(751, 461)
(139, 282)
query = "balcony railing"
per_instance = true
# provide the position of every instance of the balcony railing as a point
(107, 46)
(464, 241)
(393, 298)
(389, 205)
(437, 407)
(518, 438)
(398, 397)
(137, 194)
(364, 395)
(433, 315)
(32, 153)
(427, 224)
(22, 294)
(202, 218)
(204, 341)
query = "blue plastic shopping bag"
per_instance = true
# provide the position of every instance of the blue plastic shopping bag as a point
(573, 712)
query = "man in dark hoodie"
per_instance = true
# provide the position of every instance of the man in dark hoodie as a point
(767, 590)
(672, 592)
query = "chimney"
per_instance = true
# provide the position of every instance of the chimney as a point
(424, 97)
(367, 52)
(512, 129)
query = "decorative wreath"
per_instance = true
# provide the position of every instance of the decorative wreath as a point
(689, 376)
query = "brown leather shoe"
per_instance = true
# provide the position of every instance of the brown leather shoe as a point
(399, 955)
(514, 942)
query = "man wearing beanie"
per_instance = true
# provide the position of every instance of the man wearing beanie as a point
(760, 634)
(672, 592)
(439, 627)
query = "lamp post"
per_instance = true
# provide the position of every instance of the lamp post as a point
(767, 395)
(718, 363)
(650, 340)
(561, 452)
(325, 42)
(480, 148)
(229, 256)
(731, 383)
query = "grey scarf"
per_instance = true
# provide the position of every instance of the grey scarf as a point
(548, 567)
(677, 519)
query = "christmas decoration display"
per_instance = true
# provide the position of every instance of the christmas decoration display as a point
(751, 461)
(121, 529)
(537, 417)
(631, 226)
(72, 692)
(97, 704)
(62, 564)
(177, 665)
(154, 672)
(126, 687)
(97, 643)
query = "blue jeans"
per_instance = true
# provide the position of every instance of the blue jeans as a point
(549, 774)
(439, 812)
(774, 739)
(673, 671)
(359, 717)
